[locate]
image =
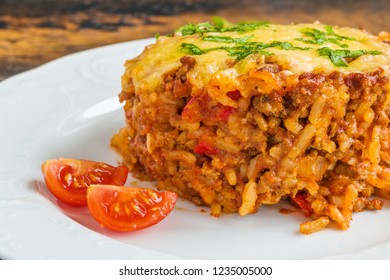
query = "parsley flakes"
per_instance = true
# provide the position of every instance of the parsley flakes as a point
(319, 37)
(219, 25)
(241, 47)
(339, 57)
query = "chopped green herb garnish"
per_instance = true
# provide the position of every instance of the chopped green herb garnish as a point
(190, 29)
(227, 39)
(220, 22)
(286, 46)
(192, 49)
(246, 26)
(319, 37)
(330, 31)
(238, 51)
(241, 49)
(245, 40)
(338, 57)
(219, 25)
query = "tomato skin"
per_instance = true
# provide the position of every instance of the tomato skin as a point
(68, 179)
(300, 200)
(128, 209)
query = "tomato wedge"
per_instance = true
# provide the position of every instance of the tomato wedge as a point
(68, 179)
(127, 208)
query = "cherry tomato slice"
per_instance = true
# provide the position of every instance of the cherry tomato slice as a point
(68, 179)
(127, 208)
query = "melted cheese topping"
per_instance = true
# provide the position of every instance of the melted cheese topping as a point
(148, 69)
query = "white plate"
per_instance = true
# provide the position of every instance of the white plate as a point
(69, 108)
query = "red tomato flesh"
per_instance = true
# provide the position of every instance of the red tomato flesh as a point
(128, 209)
(205, 148)
(300, 200)
(201, 108)
(68, 179)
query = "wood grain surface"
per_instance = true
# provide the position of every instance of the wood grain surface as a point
(33, 32)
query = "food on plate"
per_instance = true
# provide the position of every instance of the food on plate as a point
(236, 116)
(68, 179)
(128, 209)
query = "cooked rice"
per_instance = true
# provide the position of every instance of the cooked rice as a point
(235, 134)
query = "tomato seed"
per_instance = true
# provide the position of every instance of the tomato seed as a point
(117, 208)
(127, 210)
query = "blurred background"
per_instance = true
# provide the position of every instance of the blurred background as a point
(33, 32)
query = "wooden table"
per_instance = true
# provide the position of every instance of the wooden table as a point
(33, 32)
